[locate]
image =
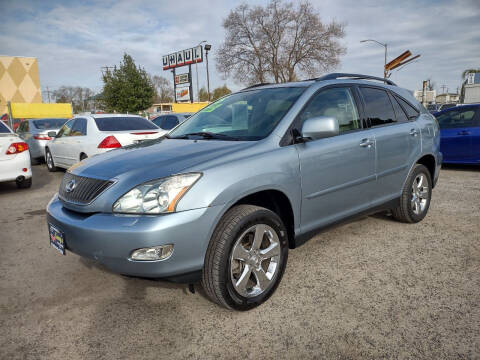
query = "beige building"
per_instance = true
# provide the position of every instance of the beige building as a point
(19, 81)
(430, 96)
(448, 98)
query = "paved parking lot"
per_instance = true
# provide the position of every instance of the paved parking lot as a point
(373, 288)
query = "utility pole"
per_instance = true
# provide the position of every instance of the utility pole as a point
(196, 71)
(105, 69)
(443, 88)
(207, 49)
(48, 94)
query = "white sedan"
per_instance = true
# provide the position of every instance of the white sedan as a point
(15, 162)
(88, 135)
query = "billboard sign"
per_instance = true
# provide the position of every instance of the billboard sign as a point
(183, 94)
(182, 58)
(182, 78)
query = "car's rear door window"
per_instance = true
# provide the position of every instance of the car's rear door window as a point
(400, 114)
(336, 102)
(46, 124)
(378, 108)
(412, 112)
(123, 123)
(457, 118)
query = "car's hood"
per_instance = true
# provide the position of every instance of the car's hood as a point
(155, 159)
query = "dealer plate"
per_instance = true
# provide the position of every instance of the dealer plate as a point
(57, 239)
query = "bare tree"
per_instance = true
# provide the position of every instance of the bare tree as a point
(280, 42)
(79, 97)
(163, 89)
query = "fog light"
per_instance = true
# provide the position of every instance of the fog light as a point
(152, 253)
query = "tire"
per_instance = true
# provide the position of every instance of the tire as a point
(49, 160)
(83, 156)
(223, 270)
(24, 184)
(415, 199)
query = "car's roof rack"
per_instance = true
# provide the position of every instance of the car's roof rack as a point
(259, 84)
(334, 76)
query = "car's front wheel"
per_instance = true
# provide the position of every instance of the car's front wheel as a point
(49, 160)
(246, 257)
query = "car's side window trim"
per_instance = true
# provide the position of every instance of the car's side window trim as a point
(287, 138)
(392, 100)
(396, 96)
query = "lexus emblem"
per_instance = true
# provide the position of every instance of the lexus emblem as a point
(70, 186)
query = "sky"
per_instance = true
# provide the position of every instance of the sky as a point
(74, 39)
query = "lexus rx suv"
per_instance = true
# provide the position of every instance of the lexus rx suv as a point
(225, 195)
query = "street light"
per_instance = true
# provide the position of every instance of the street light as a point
(196, 70)
(207, 49)
(385, 46)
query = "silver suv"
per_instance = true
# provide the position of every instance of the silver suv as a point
(225, 195)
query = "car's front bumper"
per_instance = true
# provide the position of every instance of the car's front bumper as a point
(111, 238)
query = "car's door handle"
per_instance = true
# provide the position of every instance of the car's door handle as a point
(367, 143)
(414, 132)
(464, 132)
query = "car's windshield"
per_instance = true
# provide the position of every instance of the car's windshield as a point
(45, 124)
(126, 123)
(249, 115)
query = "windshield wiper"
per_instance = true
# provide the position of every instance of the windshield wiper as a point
(207, 135)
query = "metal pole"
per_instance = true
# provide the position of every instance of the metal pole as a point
(208, 77)
(198, 91)
(174, 87)
(190, 86)
(10, 117)
(384, 69)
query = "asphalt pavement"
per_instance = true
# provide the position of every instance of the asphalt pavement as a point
(373, 288)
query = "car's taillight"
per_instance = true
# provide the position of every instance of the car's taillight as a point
(16, 148)
(42, 137)
(110, 142)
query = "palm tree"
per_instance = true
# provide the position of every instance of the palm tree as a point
(464, 78)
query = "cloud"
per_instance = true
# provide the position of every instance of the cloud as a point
(73, 40)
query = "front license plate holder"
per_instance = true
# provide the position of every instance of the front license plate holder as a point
(57, 239)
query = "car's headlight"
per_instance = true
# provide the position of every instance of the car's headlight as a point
(157, 196)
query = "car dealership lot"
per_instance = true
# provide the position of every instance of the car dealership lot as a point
(372, 288)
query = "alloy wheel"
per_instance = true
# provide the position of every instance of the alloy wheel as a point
(255, 259)
(420, 193)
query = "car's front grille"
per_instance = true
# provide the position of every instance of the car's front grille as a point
(81, 190)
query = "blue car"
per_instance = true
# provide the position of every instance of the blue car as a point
(460, 134)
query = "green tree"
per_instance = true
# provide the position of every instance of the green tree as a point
(203, 94)
(127, 88)
(220, 91)
(464, 82)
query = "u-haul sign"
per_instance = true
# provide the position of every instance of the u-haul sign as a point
(182, 58)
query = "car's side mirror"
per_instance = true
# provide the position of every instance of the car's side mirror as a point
(319, 127)
(52, 134)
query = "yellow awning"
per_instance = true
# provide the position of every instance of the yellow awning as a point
(39, 110)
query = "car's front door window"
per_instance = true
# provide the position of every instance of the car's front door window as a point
(336, 102)
(66, 129)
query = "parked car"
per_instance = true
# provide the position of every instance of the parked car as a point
(433, 108)
(14, 158)
(224, 195)
(168, 121)
(447, 106)
(460, 134)
(89, 135)
(35, 133)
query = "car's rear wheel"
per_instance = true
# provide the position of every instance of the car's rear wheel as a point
(246, 257)
(416, 196)
(49, 160)
(24, 184)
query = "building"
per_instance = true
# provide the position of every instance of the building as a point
(430, 96)
(448, 98)
(472, 89)
(19, 81)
